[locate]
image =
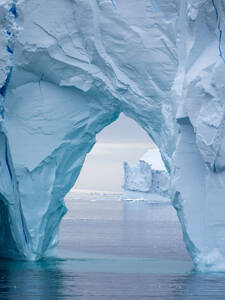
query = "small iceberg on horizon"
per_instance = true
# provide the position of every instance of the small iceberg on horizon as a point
(143, 182)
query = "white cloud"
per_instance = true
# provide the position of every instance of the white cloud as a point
(107, 148)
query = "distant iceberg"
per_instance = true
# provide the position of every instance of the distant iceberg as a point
(143, 182)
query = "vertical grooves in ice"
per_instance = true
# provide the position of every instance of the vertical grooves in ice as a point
(220, 31)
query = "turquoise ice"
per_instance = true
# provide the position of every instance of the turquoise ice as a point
(69, 68)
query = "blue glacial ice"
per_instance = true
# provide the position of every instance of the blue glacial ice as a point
(67, 70)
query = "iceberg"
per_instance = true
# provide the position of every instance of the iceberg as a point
(69, 68)
(142, 182)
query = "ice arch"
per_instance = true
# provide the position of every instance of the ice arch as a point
(71, 70)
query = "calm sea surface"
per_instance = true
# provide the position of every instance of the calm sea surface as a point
(113, 250)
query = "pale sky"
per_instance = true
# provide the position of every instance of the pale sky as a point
(123, 140)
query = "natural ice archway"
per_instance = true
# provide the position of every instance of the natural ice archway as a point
(75, 65)
(64, 88)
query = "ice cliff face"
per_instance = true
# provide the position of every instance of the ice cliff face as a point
(138, 178)
(198, 172)
(68, 68)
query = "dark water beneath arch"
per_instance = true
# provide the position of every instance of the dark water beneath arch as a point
(113, 250)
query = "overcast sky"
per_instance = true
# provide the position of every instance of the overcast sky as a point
(123, 140)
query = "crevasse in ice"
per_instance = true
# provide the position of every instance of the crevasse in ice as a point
(68, 68)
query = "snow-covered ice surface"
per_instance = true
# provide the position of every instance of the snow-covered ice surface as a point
(153, 157)
(68, 68)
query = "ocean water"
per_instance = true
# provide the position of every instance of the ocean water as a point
(111, 249)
